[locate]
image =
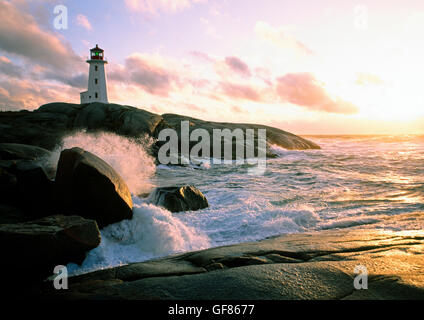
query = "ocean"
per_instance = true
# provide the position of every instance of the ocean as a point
(351, 182)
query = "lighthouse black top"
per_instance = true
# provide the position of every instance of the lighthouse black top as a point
(97, 53)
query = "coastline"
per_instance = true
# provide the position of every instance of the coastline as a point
(316, 265)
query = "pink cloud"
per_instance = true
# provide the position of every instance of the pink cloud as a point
(304, 90)
(143, 72)
(195, 108)
(82, 21)
(239, 66)
(21, 35)
(237, 109)
(201, 55)
(239, 91)
(17, 94)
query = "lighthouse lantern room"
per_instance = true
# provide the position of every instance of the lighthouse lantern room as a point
(97, 85)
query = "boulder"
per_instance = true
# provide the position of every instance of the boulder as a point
(177, 199)
(34, 248)
(92, 187)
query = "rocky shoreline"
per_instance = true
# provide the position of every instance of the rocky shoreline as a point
(49, 124)
(52, 214)
(318, 265)
(52, 217)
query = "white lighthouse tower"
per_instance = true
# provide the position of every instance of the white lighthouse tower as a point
(97, 86)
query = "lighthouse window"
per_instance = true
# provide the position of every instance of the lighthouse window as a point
(96, 81)
(97, 95)
(95, 68)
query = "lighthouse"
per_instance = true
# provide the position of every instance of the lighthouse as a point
(97, 86)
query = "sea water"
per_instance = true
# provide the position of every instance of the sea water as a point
(351, 181)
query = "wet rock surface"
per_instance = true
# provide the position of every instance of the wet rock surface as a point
(31, 250)
(176, 199)
(94, 189)
(298, 266)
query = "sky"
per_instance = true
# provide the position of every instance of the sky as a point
(308, 67)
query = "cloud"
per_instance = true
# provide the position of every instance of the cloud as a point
(239, 91)
(195, 108)
(279, 37)
(237, 109)
(9, 68)
(156, 6)
(238, 66)
(40, 66)
(147, 73)
(21, 35)
(18, 94)
(79, 80)
(304, 90)
(82, 21)
(201, 55)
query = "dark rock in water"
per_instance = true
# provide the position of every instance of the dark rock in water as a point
(87, 183)
(177, 199)
(31, 250)
(15, 151)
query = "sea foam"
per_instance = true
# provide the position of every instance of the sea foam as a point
(152, 232)
(127, 156)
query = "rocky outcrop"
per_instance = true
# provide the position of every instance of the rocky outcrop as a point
(274, 136)
(176, 199)
(93, 188)
(46, 126)
(298, 266)
(31, 250)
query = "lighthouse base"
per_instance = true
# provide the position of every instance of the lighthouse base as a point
(87, 97)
